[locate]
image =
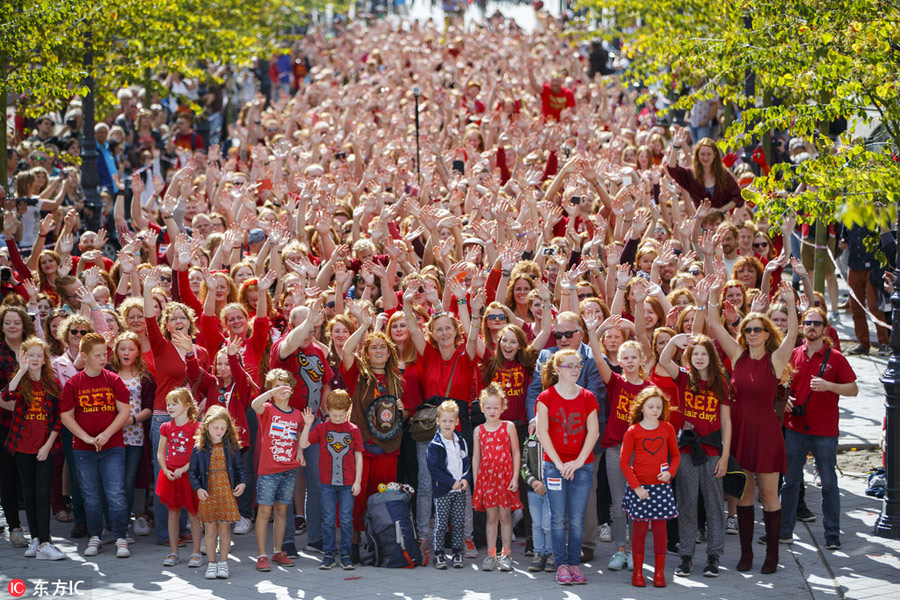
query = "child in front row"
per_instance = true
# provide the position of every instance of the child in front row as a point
(495, 466)
(217, 475)
(649, 500)
(448, 464)
(173, 487)
(538, 505)
(340, 472)
(279, 458)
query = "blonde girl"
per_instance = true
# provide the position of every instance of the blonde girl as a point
(217, 476)
(176, 440)
(496, 444)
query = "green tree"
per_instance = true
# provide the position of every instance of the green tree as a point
(819, 60)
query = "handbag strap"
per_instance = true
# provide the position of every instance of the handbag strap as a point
(452, 371)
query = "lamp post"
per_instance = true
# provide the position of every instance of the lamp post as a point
(888, 524)
(89, 177)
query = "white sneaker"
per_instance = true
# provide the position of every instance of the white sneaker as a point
(48, 551)
(605, 533)
(141, 527)
(211, 570)
(94, 546)
(243, 526)
(31, 552)
(122, 550)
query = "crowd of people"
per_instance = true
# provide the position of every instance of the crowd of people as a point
(480, 226)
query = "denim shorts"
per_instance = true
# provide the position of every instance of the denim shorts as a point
(276, 487)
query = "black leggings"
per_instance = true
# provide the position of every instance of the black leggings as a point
(9, 484)
(36, 477)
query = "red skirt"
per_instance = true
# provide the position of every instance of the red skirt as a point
(177, 494)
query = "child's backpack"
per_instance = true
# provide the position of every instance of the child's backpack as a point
(391, 531)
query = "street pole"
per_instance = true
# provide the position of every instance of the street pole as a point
(89, 177)
(418, 170)
(888, 524)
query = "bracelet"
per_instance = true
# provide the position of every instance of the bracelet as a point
(189, 354)
(506, 273)
(702, 308)
(168, 216)
(619, 287)
(462, 302)
(676, 147)
(736, 323)
(133, 420)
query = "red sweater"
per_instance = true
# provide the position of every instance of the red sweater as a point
(651, 448)
(171, 368)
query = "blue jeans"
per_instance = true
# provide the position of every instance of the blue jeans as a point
(313, 500)
(568, 500)
(539, 507)
(797, 446)
(336, 498)
(160, 512)
(75, 490)
(133, 456)
(102, 475)
(423, 493)
(700, 132)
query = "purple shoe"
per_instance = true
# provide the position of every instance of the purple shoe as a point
(563, 575)
(578, 577)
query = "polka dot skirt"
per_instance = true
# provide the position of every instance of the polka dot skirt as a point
(660, 504)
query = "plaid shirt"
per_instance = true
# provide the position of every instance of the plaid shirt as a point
(51, 409)
(8, 367)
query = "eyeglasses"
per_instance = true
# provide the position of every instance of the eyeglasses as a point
(749, 330)
(165, 278)
(81, 332)
(694, 272)
(809, 323)
(574, 367)
(329, 304)
(495, 317)
(584, 296)
(564, 334)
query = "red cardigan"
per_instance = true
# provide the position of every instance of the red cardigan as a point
(731, 192)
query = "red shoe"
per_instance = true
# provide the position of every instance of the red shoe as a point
(282, 559)
(659, 571)
(262, 564)
(187, 537)
(637, 575)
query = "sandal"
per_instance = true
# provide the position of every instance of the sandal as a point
(171, 560)
(64, 516)
(196, 561)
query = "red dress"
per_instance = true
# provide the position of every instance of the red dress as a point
(495, 471)
(756, 442)
(179, 445)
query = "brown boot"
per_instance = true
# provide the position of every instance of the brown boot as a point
(637, 576)
(772, 520)
(659, 571)
(745, 515)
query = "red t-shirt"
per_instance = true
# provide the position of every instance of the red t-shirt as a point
(337, 447)
(436, 373)
(620, 394)
(568, 421)
(311, 370)
(700, 409)
(514, 380)
(822, 413)
(179, 442)
(651, 448)
(94, 401)
(278, 439)
(552, 104)
(34, 429)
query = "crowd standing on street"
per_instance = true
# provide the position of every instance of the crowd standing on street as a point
(483, 225)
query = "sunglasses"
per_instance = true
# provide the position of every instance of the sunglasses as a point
(809, 323)
(165, 278)
(694, 272)
(500, 317)
(329, 304)
(584, 296)
(564, 334)
(749, 330)
(760, 244)
(81, 332)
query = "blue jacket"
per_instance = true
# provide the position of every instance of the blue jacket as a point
(589, 379)
(198, 473)
(436, 456)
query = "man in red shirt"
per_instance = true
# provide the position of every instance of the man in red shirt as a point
(298, 354)
(95, 407)
(554, 97)
(811, 423)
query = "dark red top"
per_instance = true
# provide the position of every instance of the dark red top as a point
(720, 196)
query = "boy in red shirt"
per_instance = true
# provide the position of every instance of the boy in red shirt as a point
(340, 471)
(95, 407)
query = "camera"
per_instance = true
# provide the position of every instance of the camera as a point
(798, 411)
(576, 199)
